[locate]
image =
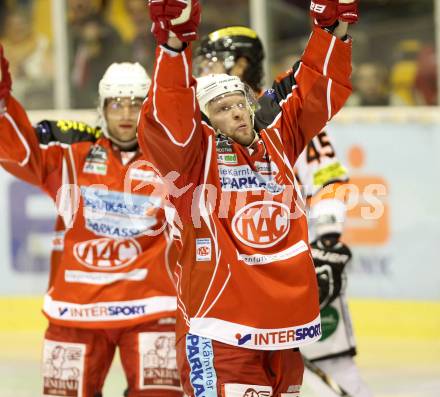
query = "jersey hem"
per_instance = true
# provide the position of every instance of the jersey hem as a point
(256, 338)
(108, 325)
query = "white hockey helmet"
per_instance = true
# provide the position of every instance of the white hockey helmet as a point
(328, 217)
(122, 80)
(214, 85)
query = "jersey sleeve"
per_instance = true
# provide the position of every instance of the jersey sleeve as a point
(322, 177)
(170, 129)
(305, 98)
(318, 165)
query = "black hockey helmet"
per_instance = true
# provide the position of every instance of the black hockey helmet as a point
(226, 46)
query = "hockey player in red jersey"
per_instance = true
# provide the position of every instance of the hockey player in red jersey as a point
(238, 51)
(247, 291)
(110, 284)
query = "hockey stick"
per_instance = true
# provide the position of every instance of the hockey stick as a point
(330, 382)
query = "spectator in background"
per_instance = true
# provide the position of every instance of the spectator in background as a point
(287, 53)
(370, 85)
(30, 59)
(141, 47)
(403, 72)
(426, 77)
(94, 45)
(217, 14)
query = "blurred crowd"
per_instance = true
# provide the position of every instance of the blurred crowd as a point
(395, 63)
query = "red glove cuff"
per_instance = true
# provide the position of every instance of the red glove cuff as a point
(160, 31)
(326, 12)
(187, 31)
(349, 12)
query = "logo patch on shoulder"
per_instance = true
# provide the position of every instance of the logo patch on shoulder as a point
(270, 93)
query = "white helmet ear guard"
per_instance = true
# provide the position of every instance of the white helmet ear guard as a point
(121, 80)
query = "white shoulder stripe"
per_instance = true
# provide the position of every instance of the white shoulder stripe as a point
(327, 58)
(22, 139)
(155, 112)
(329, 98)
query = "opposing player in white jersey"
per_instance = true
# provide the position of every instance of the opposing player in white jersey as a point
(237, 50)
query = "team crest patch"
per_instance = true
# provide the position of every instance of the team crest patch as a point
(224, 144)
(203, 249)
(63, 369)
(158, 366)
(96, 161)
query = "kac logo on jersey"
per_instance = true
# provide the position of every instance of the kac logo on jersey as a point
(203, 249)
(106, 253)
(261, 224)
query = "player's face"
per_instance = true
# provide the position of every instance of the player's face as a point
(121, 115)
(231, 115)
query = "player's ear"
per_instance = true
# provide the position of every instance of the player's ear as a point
(240, 66)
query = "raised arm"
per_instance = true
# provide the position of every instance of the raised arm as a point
(170, 128)
(305, 98)
(19, 147)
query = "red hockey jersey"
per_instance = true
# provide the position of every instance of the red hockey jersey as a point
(245, 275)
(109, 263)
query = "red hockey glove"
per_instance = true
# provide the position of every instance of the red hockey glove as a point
(5, 77)
(160, 31)
(162, 12)
(326, 12)
(185, 27)
(165, 9)
(330, 257)
(348, 11)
